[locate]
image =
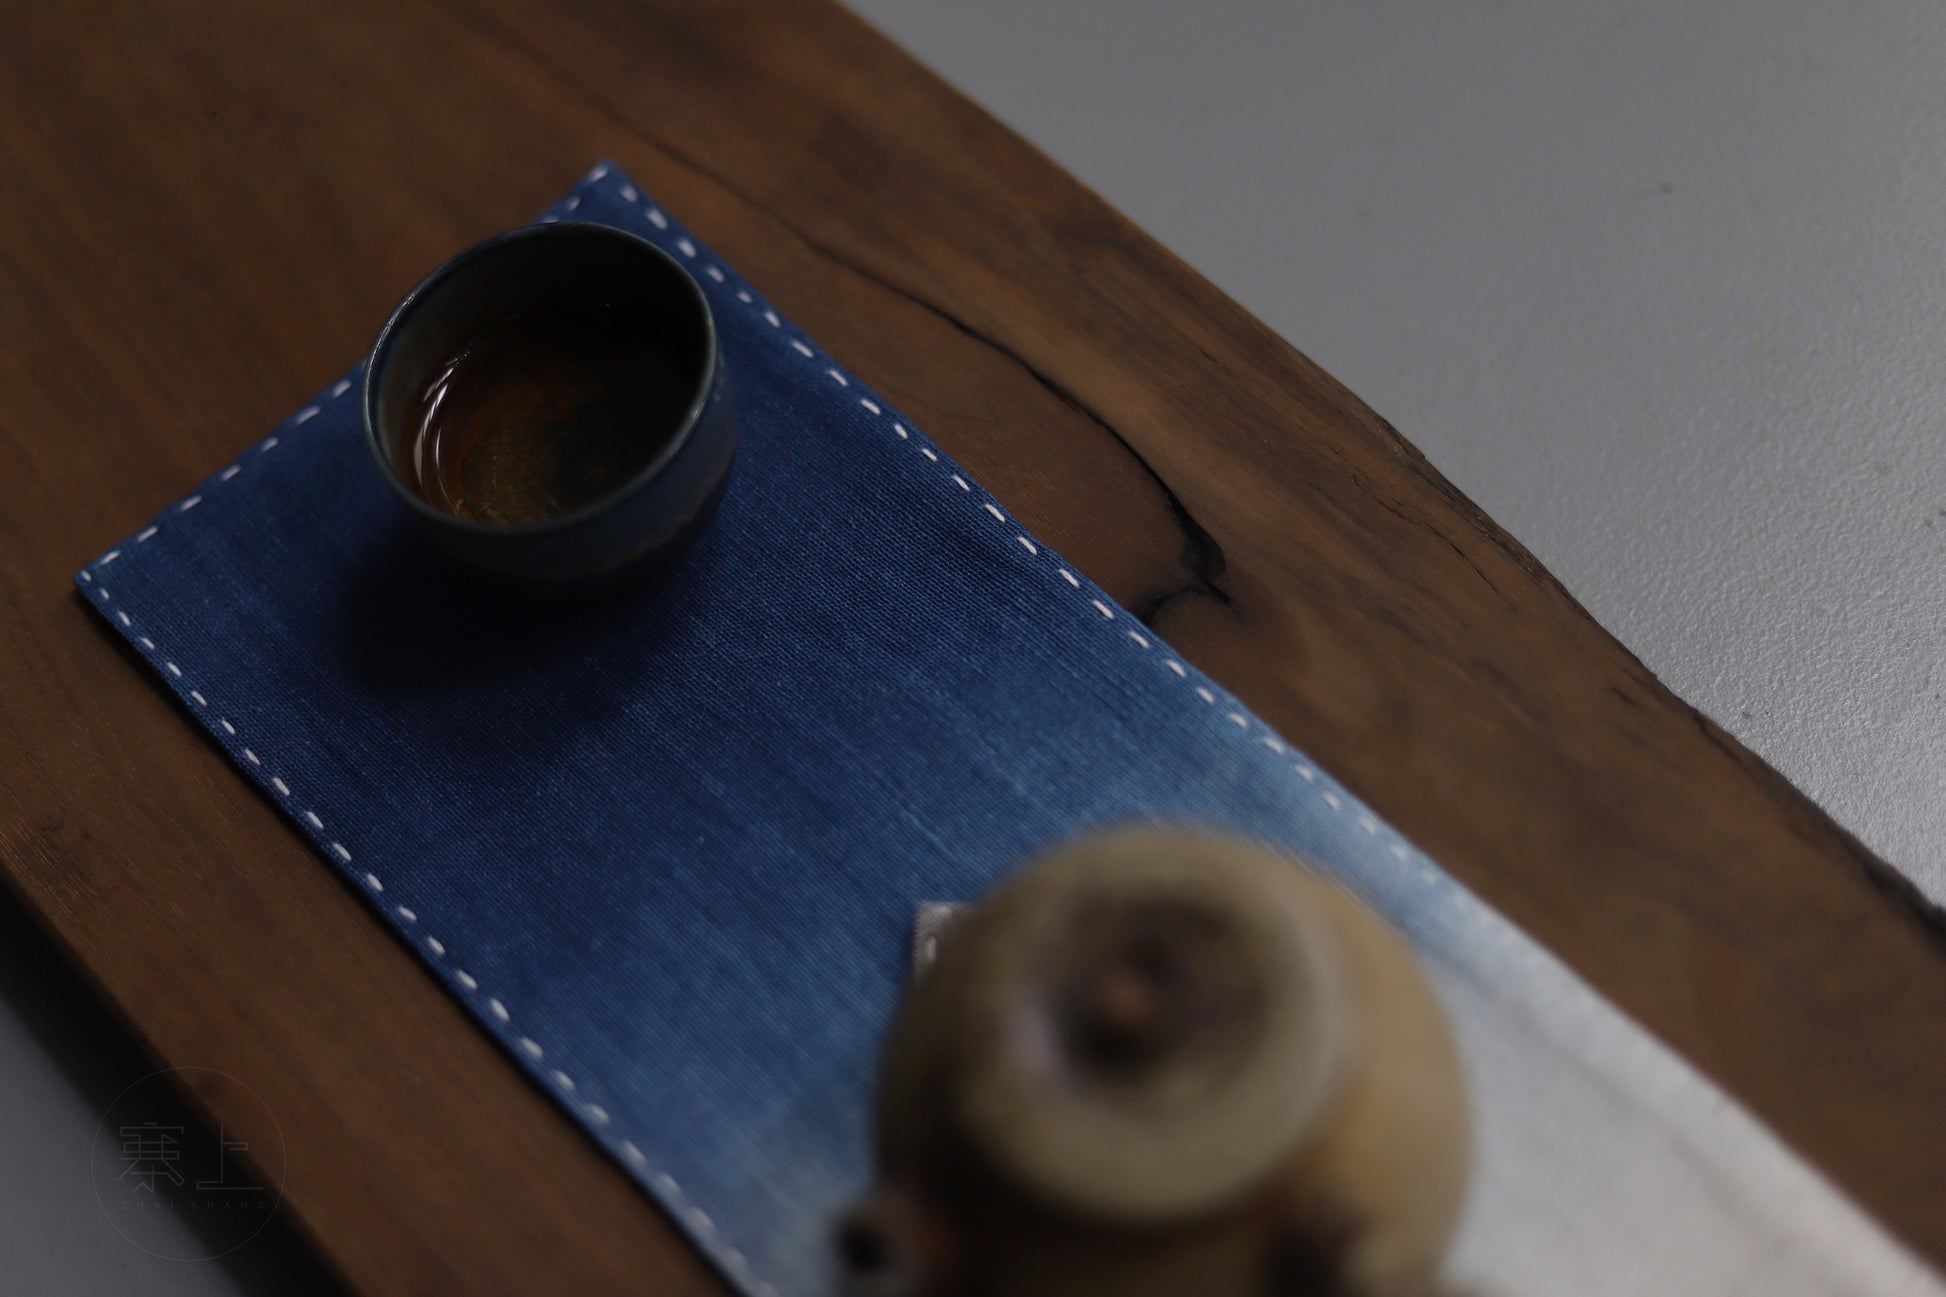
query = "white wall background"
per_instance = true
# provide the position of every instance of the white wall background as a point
(1661, 285)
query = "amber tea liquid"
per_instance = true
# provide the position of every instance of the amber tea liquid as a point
(542, 413)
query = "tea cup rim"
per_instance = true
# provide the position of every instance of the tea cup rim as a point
(426, 290)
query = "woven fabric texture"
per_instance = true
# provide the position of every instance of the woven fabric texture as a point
(666, 849)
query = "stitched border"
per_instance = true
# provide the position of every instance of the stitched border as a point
(1335, 800)
(701, 1225)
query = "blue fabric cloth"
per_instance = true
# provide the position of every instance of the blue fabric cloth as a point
(666, 849)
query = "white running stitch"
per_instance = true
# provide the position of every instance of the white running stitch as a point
(698, 1218)
(305, 415)
(1237, 718)
(147, 532)
(595, 1112)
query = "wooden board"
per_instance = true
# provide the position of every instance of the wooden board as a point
(208, 206)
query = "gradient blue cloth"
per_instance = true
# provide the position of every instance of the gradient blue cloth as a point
(667, 849)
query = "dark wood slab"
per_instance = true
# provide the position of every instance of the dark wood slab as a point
(206, 208)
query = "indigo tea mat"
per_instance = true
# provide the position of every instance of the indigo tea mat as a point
(667, 850)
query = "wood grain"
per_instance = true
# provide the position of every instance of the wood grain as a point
(208, 207)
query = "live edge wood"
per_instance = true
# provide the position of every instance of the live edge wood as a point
(206, 208)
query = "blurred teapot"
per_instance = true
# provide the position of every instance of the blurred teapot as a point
(1162, 1063)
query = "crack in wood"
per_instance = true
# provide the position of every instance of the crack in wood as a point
(1201, 554)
